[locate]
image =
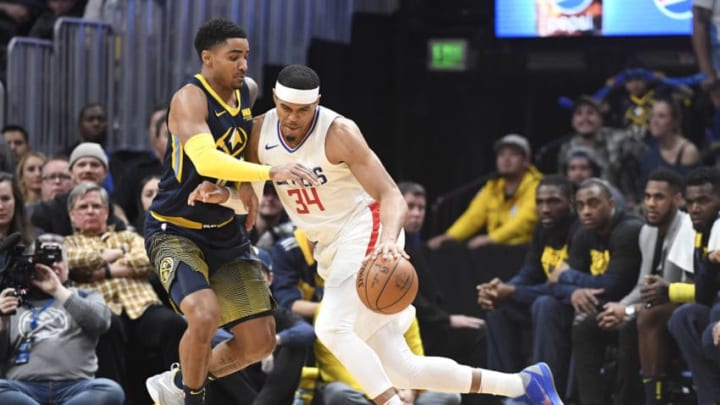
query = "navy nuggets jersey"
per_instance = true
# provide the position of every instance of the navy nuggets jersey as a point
(211, 224)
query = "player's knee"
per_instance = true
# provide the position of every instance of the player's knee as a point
(329, 335)
(202, 317)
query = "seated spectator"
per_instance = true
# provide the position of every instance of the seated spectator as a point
(17, 138)
(29, 175)
(47, 342)
(115, 263)
(615, 152)
(141, 166)
(93, 127)
(631, 95)
(615, 325)
(296, 284)
(505, 206)
(515, 306)
(272, 223)
(660, 295)
(581, 165)
(275, 379)
(148, 191)
(695, 326)
(602, 266)
(56, 178)
(630, 107)
(456, 335)
(12, 211)
(88, 162)
(43, 27)
(588, 130)
(666, 146)
(338, 387)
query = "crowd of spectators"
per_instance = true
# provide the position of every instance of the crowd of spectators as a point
(619, 285)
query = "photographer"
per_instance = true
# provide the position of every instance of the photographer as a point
(47, 339)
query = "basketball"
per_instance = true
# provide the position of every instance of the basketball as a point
(387, 286)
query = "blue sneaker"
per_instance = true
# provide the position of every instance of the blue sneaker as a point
(539, 385)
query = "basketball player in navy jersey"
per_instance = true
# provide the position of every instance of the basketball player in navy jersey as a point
(200, 251)
(356, 212)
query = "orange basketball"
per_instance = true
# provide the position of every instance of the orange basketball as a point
(387, 286)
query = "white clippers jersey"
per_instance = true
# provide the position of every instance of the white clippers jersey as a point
(320, 211)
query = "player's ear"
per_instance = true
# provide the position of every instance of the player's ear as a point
(206, 57)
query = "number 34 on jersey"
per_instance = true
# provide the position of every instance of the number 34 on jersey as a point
(306, 199)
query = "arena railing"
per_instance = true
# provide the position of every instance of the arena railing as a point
(82, 73)
(29, 78)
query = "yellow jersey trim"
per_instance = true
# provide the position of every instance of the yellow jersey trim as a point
(188, 223)
(234, 111)
(177, 157)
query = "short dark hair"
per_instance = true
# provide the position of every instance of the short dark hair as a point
(673, 179)
(410, 187)
(88, 106)
(559, 181)
(604, 186)
(214, 32)
(702, 175)
(298, 77)
(17, 128)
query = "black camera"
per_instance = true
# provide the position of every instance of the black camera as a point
(19, 270)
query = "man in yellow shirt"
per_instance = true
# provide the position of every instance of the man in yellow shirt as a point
(505, 206)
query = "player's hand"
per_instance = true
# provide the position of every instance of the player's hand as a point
(208, 192)
(585, 299)
(295, 172)
(716, 334)
(388, 249)
(247, 195)
(612, 316)
(554, 276)
(8, 301)
(407, 396)
(466, 322)
(655, 290)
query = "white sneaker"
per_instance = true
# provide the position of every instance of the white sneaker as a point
(162, 389)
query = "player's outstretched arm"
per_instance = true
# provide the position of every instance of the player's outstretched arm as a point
(187, 121)
(345, 143)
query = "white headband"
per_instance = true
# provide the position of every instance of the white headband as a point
(296, 96)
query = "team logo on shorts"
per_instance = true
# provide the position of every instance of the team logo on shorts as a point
(571, 6)
(166, 266)
(675, 9)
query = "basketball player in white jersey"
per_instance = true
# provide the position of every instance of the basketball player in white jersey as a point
(356, 212)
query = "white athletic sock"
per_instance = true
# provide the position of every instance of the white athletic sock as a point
(493, 382)
(395, 400)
